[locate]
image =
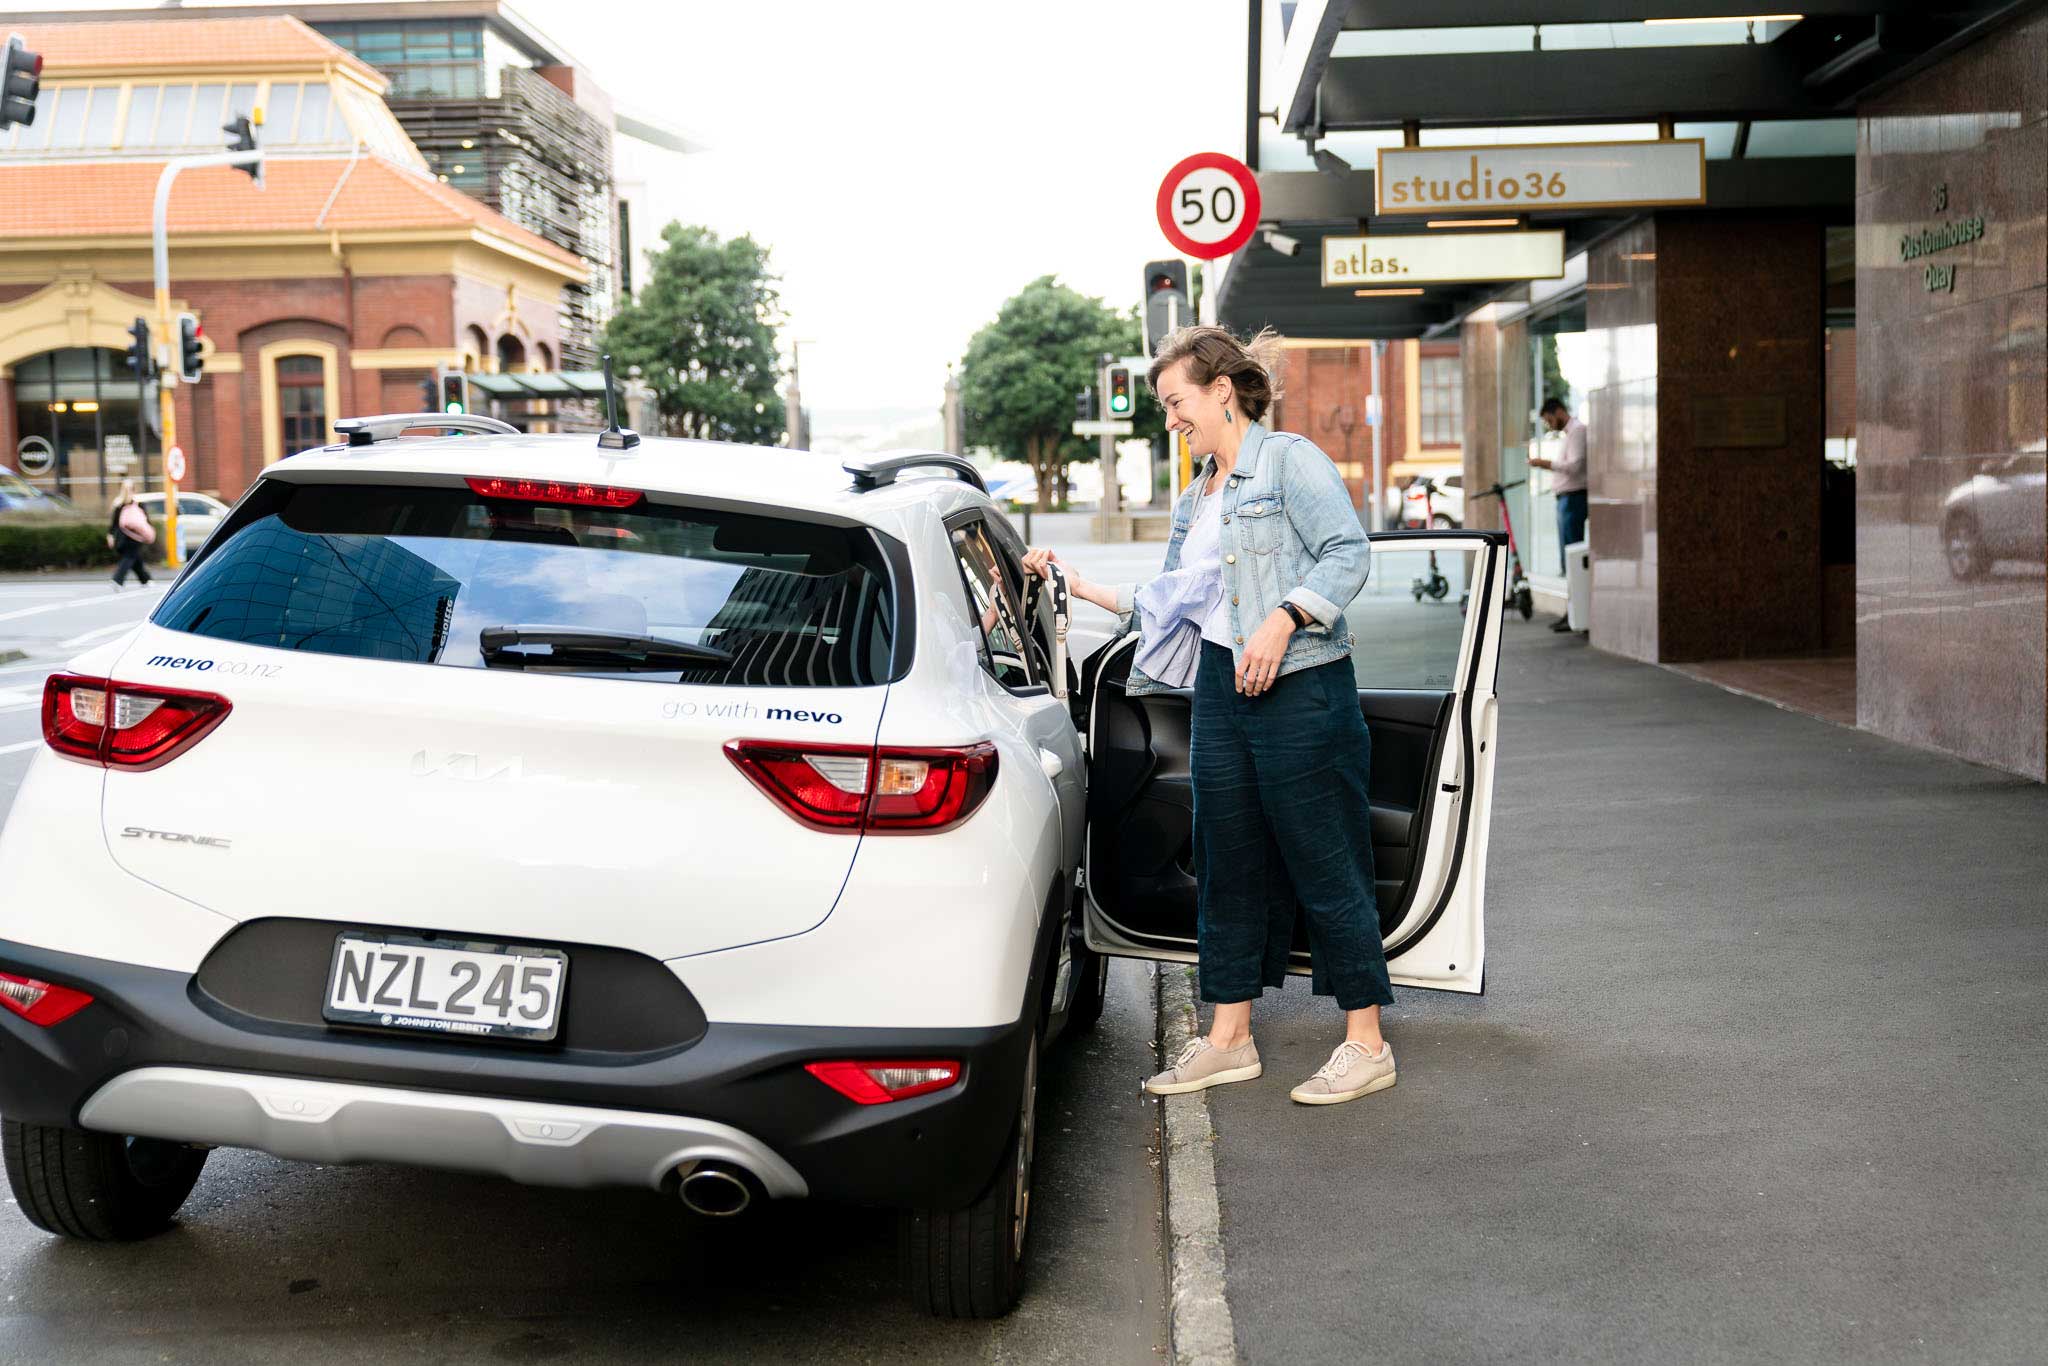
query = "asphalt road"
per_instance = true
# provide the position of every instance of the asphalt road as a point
(277, 1259)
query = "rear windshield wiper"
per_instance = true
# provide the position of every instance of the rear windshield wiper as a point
(571, 647)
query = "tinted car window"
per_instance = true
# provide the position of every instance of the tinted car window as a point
(418, 574)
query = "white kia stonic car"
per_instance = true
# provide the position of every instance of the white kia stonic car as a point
(591, 811)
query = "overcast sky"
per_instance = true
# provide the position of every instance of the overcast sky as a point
(912, 164)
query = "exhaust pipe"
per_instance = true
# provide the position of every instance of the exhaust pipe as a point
(716, 1190)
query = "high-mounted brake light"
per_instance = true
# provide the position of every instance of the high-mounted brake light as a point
(125, 725)
(551, 491)
(879, 790)
(878, 1083)
(39, 1002)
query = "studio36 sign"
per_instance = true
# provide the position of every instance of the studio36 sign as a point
(1581, 175)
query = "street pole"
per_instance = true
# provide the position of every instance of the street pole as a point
(167, 366)
(1183, 462)
(1379, 428)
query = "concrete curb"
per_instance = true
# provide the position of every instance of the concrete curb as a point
(12, 656)
(1199, 1324)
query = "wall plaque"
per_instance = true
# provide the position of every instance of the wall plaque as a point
(1739, 420)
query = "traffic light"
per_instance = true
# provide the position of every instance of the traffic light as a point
(1084, 405)
(430, 395)
(1119, 391)
(454, 395)
(241, 131)
(141, 359)
(1166, 300)
(190, 335)
(20, 82)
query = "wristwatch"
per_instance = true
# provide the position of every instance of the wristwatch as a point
(1301, 618)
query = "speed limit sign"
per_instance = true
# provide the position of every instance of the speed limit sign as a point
(1209, 205)
(174, 464)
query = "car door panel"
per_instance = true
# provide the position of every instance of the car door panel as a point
(1432, 756)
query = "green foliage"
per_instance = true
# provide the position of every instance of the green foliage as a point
(1022, 372)
(30, 543)
(702, 332)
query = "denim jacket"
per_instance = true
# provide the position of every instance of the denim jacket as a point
(1290, 534)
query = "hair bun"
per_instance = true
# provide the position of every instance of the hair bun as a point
(1255, 367)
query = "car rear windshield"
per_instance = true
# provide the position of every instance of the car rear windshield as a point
(421, 575)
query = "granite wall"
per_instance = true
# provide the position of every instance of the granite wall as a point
(1952, 387)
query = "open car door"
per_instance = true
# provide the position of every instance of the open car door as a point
(1426, 632)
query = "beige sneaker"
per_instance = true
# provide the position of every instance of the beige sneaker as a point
(1350, 1073)
(1201, 1065)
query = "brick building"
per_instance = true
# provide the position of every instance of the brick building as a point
(1326, 387)
(337, 287)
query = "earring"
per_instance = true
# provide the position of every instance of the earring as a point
(1227, 417)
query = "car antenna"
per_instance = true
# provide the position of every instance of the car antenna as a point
(614, 437)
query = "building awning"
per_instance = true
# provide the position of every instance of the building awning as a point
(516, 386)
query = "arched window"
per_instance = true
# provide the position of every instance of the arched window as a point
(302, 402)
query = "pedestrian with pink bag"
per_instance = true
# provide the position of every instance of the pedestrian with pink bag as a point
(130, 532)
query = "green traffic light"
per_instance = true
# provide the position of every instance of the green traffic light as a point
(453, 405)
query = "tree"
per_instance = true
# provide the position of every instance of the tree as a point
(702, 331)
(1022, 372)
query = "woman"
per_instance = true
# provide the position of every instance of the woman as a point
(1266, 553)
(130, 532)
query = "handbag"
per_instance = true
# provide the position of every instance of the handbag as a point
(135, 525)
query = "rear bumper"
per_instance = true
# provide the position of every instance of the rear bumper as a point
(146, 1057)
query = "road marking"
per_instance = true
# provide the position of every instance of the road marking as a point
(117, 627)
(16, 749)
(9, 696)
(75, 602)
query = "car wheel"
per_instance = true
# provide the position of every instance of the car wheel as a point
(969, 1263)
(1091, 990)
(1443, 521)
(1964, 546)
(101, 1187)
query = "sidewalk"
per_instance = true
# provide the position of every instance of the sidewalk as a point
(1758, 1074)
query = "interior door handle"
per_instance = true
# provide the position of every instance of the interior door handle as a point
(1051, 763)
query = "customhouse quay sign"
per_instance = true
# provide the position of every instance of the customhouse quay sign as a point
(1940, 277)
(1577, 175)
(1441, 258)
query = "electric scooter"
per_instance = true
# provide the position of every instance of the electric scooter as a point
(1435, 586)
(1520, 596)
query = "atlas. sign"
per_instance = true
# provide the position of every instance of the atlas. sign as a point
(1441, 258)
(1208, 205)
(1578, 175)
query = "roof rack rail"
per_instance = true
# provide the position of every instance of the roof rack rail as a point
(880, 471)
(368, 431)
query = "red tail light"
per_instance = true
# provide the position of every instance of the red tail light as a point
(878, 1083)
(38, 1002)
(874, 789)
(125, 725)
(552, 491)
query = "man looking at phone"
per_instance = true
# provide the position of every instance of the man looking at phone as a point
(1570, 483)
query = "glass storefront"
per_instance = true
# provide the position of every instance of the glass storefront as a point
(75, 423)
(1545, 356)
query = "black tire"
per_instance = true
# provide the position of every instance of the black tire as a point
(1443, 521)
(100, 1187)
(969, 1263)
(1091, 990)
(1963, 545)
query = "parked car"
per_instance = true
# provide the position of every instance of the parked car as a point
(18, 495)
(199, 515)
(1436, 503)
(2000, 514)
(710, 820)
